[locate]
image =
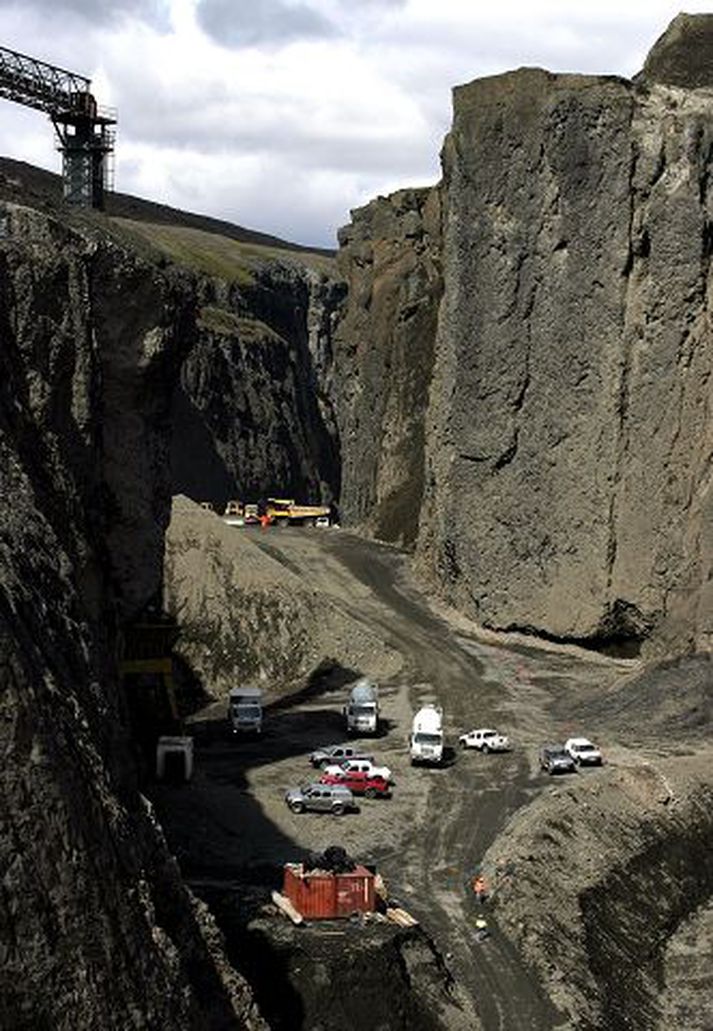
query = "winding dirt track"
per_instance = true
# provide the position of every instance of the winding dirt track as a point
(470, 800)
(428, 841)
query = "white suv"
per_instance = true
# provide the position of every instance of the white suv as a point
(486, 740)
(583, 751)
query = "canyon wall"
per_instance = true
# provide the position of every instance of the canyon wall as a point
(253, 409)
(390, 256)
(568, 438)
(97, 928)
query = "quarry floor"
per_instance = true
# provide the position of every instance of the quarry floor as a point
(231, 830)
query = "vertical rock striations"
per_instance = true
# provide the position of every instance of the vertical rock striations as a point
(390, 256)
(96, 927)
(523, 434)
(568, 433)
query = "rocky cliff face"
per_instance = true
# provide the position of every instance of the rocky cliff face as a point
(390, 256)
(568, 432)
(97, 929)
(253, 411)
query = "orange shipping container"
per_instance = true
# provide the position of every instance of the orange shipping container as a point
(320, 895)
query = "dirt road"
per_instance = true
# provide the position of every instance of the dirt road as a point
(429, 839)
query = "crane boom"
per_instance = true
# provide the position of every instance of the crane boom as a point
(37, 84)
(86, 138)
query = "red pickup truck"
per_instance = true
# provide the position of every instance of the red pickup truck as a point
(360, 783)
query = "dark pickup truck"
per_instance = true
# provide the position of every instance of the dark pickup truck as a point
(554, 759)
(332, 754)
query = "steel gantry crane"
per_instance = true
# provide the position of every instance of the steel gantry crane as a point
(85, 132)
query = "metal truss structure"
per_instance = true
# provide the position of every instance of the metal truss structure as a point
(85, 133)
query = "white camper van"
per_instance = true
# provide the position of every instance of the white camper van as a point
(245, 709)
(427, 735)
(362, 709)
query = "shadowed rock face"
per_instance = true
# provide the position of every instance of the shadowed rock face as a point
(567, 423)
(97, 929)
(253, 410)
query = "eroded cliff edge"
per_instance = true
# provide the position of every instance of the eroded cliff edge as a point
(98, 930)
(567, 427)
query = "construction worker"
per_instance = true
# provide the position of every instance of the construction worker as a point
(264, 521)
(480, 888)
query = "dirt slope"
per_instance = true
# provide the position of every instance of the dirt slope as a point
(245, 616)
(592, 875)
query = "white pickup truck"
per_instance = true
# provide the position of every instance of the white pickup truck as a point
(361, 766)
(485, 739)
(583, 751)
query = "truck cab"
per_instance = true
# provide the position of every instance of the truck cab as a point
(426, 741)
(362, 709)
(245, 710)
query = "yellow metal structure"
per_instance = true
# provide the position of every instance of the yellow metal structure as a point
(285, 510)
(147, 665)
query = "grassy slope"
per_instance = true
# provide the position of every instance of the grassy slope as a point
(214, 254)
(207, 244)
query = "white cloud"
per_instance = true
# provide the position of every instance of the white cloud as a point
(286, 119)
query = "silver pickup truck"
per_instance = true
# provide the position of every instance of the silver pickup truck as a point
(321, 798)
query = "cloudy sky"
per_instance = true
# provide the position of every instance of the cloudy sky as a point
(283, 114)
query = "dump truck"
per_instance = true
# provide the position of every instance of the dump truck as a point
(245, 710)
(362, 709)
(286, 512)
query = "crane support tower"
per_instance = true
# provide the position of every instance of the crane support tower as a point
(85, 132)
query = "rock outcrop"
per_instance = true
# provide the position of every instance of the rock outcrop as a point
(390, 256)
(629, 863)
(568, 428)
(97, 928)
(254, 408)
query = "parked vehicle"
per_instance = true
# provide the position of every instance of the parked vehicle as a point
(251, 515)
(287, 512)
(554, 759)
(331, 754)
(583, 751)
(359, 783)
(486, 740)
(245, 710)
(234, 514)
(359, 766)
(321, 798)
(426, 740)
(362, 709)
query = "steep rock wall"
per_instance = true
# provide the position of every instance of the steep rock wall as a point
(568, 438)
(390, 257)
(570, 431)
(96, 928)
(254, 409)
